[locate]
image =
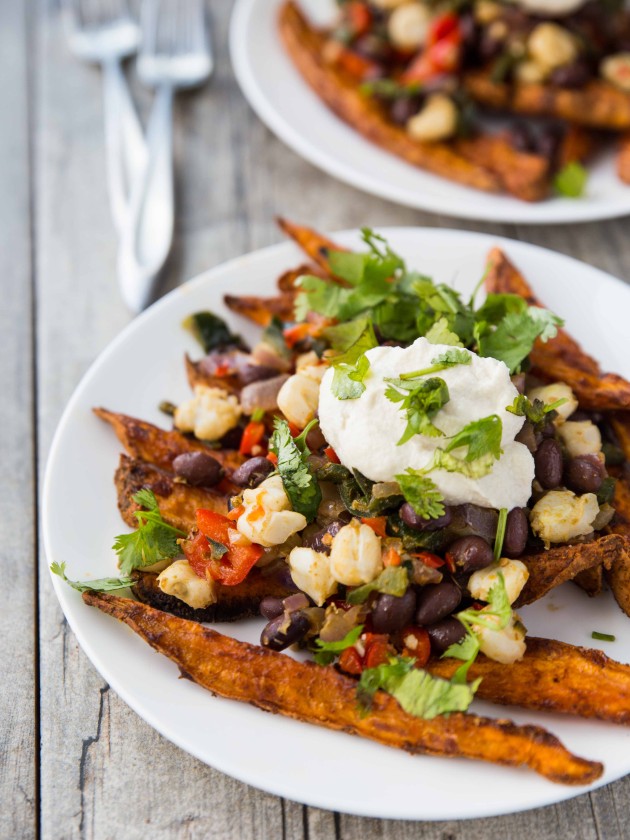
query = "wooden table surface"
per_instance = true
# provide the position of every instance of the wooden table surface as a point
(76, 762)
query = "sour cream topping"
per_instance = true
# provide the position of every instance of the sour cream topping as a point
(550, 7)
(364, 432)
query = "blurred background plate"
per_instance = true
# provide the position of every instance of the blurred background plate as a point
(287, 105)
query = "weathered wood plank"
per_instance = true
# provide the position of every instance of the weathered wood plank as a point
(105, 773)
(18, 767)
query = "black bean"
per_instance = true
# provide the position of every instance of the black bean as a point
(548, 142)
(437, 601)
(548, 464)
(232, 439)
(489, 47)
(471, 553)
(584, 474)
(275, 638)
(528, 437)
(403, 108)
(419, 523)
(317, 542)
(271, 607)
(473, 520)
(516, 531)
(548, 430)
(445, 633)
(574, 75)
(252, 472)
(391, 613)
(198, 468)
(315, 439)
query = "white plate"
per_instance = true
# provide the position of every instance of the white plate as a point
(286, 104)
(143, 366)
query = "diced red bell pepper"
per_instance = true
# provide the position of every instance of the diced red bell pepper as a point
(350, 661)
(377, 650)
(442, 53)
(377, 523)
(392, 557)
(332, 456)
(443, 26)
(416, 645)
(429, 559)
(253, 434)
(358, 17)
(234, 566)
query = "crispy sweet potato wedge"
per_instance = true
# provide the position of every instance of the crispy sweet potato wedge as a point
(577, 145)
(551, 568)
(618, 576)
(233, 602)
(553, 677)
(524, 175)
(314, 244)
(590, 580)
(197, 375)
(323, 696)
(339, 91)
(177, 502)
(598, 104)
(561, 358)
(261, 310)
(623, 159)
(620, 423)
(156, 446)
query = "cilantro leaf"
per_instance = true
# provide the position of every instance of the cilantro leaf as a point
(417, 692)
(352, 366)
(326, 651)
(467, 649)
(443, 460)
(154, 540)
(100, 585)
(299, 483)
(500, 535)
(536, 412)
(440, 333)
(571, 180)
(444, 360)
(341, 337)
(393, 580)
(421, 493)
(481, 437)
(513, 338)
(420, 401)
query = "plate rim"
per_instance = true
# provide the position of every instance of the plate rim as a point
(523, 213)
(554, 793)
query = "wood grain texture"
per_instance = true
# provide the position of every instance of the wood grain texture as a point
(18, 713)
(104, 772)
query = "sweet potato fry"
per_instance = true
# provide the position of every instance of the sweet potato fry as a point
(234, 602)
(261, 310)
(156, 446)
(524, 175)
(177, 502)
(618, 576)
(560, 358)
(339, 91)
(620, 423)
(310, 241)
(553, 677)
(577, 146)
(323, 696)
(198, 375)
(590, 580)
(551, 568)
(623, 159)
(598, 104)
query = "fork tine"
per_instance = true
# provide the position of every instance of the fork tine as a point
(197, 31)
(149, 23)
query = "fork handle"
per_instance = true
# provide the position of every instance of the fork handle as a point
(147, 241)
(125, 147)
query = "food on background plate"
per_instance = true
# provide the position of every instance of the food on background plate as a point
(416, 78)
(385, 476)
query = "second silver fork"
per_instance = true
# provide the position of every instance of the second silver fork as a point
(175, 54)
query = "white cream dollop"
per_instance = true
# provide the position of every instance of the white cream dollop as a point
(364, 432)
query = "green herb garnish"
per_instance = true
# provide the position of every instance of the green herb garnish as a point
(421, 401)
(571, 180)
(393, 580)
(445, 360)
(154, 540)
(421, 493)
(352, 366)
(326, 651)
(101, 585)
(299, 483)
(603, 637)
(417, 692)
(500, 536)
(536, 412)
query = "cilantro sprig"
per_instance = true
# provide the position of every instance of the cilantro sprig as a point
(420, 401)
(299, 483)
(495, 616)
(536, 412)
(417, 692)
(441, 362)
(352, 366)
(99, 585)
(154, 540)
(421, 493)
(327, 651)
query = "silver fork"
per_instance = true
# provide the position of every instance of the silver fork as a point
(105, 33)
(175, 54)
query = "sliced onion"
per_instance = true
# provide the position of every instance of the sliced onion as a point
(296, 602)
(262, 395)
(264, 354)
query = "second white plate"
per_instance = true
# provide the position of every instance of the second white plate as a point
(286, 104)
